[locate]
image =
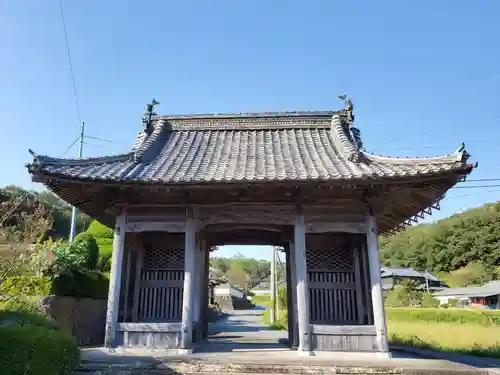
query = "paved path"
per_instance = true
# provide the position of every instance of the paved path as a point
(243, 331)
(241, 338)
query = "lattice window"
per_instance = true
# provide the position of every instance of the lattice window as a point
(337, 259)
(163, 259)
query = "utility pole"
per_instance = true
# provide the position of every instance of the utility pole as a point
(272, 315)
(427, 281)
(72, 231)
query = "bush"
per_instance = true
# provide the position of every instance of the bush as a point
(99, 230)
(282, 297)
(20, 314)
(22, 304)
(105, 247)
(56, 258)
(27, 349)
(428, 300)
(27, 286)
(105, 251)
(69, 257)
(79, 284)
(461, 316)
(89, 243)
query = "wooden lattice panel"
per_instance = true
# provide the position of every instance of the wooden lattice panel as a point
(163, 259)
(330, 259)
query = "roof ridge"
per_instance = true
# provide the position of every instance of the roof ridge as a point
(44, 159)
(343, 140)
(149, 141)
(458, 156)
(236, 115)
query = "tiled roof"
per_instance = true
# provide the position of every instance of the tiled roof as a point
(290, 146)
(406, 272)
(489, 289)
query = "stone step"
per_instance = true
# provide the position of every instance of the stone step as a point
(212, 368)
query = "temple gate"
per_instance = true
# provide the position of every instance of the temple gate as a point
(299, 180)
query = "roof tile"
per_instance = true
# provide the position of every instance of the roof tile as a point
(267, 147)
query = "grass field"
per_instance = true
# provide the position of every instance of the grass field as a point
(473, 338)
(450, 337)
(263, 300)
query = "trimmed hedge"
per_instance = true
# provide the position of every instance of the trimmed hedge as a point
(90, 244)
(485, 318)
(79, 284)
(105, 247)
(99, 230)
(82, 284)
(27, 349)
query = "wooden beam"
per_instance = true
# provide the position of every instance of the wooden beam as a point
(361, 330)
(161, 226)
(329, 227)
(149, 327)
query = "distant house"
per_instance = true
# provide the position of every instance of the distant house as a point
(264, 287)
(482, 297)
(392, 276)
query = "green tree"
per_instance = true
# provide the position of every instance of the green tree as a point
(450, 244)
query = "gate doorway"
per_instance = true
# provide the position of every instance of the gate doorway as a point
(240, 262)
(245, 321)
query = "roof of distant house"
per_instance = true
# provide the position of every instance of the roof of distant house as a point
(489, 289)
(407, 272)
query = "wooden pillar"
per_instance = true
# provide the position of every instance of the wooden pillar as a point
(289, 288)
(376, 287)
(293, 281)
(137, 283)
(201, 295)
(114, 282)
(274, 301)
(206, 294)
(359, 289)
(189, 271)
(196, 289)
(128, 274)
(302, 288)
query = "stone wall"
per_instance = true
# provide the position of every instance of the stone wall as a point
(84, 318)
(227, 303)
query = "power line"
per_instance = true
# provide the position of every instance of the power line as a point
(30, 193)
(471, 194)
(99, 139)
(476, 186)
(391, 143)
(70, 62)
(15, 207)
(70, 146)
(483, 180)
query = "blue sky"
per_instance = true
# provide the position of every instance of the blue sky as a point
(424, 75)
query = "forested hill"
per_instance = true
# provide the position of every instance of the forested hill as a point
(27, 215)
(465, 239)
